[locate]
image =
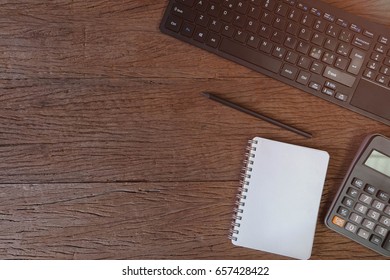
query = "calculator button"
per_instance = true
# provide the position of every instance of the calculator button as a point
(368, 224)
(381, 230)
(378, 205)
(376, 240)
(348, 202)
(343, 211)
(365, 199)
(386, 244)
(384, 220)
(370, 189)
(363, 233)
(351, 227)
(361, 208)
(357, 183)
(338, 221)
(373, 214)
(384, 196)
(353, 192)
(356, 218)
(387, 210)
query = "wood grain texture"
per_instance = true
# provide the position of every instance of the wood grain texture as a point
(136, 221)
(109, 150)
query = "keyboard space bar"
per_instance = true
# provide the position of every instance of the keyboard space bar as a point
(250, 55)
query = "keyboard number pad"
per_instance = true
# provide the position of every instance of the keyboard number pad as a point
(365, 212)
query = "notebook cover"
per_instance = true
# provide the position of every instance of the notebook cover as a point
(283, 195)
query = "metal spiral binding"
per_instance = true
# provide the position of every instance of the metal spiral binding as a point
(243, 189)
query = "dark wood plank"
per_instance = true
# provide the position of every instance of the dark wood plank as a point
(136, 221)
(77, 39)
(109, 150)
(116, 130)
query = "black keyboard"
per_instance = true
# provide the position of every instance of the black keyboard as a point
(310, 45)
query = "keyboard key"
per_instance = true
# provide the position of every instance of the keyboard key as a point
(200, 34)
(355, 27)
(213, 40)
(383, 196)
(290, 42)
(240, 36)
(215, 25)
(266, 47)
(369, 74)
(227, 30)
(183, 12)
(320, 25)
(202, 20)
(201, 5)
(368, 33)
(304, 62)
(331, 44)
(383, 40)
(289, 71)
(341, 63)
(334, 86)
(345, 36)
(269, 5)
(279, 52)
(303, 47)
(357, 58)
(303, 77)
(317, 67)
(315, 86)
(328, 91)
(341, 96)
(316, 53)
(173, 23)
(188, 3)
(333, 30)
(187, 29)
(291, 57)
(380, 48)
(307, 20)
(339, 76)
(281, 10)
(361, 42)
(329, 58)
(318, 39)
(254, 41)
(250, 55)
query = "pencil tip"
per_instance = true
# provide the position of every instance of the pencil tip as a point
(206, 94)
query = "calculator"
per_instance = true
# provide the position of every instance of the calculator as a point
(361, 209)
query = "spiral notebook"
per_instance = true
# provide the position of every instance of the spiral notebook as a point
(279, 198)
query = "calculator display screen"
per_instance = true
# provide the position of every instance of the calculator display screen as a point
(379, 162)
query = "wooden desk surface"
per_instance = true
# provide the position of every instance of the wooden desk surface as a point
(108, 150)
